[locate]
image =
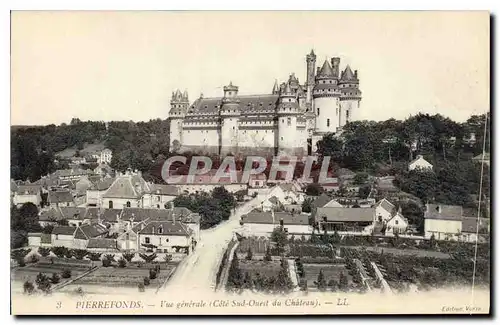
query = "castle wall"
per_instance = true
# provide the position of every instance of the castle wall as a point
(352, 107)
(328, 112)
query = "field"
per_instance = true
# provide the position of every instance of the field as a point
(129, 276)
(330, 271)
(400, 252)
(263, 268)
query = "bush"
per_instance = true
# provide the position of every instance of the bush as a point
(148, 258)
(43, 282)
(109, 257)
(268, 256)
(128, 256)
(146, 281)
(28, 287)
(94, 256)
(59, 251)
(249, 254)
(21, 262)
(152, 274)
(79, 254)
(44, 251)
(19, 253)
(68, 253)
(140, 286)
(66, 273)
(34, 258)
(122, 262)
(55, 279)
(106, 263)
(167, 258)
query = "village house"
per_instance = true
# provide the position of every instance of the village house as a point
(160, 195)
(208, 182)
(165, 236)
(420, 163)
(86, 232)
(443, 221)
(28, 194)
(72, 174)
(63, 236)
(397, 224)
(103, 170)
(271, 203)
(128, 241)
(475, 230)
(97, 190)
(346, 220)
(39, 239)
(105, 156)
(384, 210)
(51, 217)
(126, 191)
(74, 216)
(60, 199)
(102, 245)
(259, 223)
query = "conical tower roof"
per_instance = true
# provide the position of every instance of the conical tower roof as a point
(276, 88)
(326, 70)
(348, 74)
(185, 95)
(288, 89)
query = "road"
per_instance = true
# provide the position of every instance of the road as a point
(198, 271)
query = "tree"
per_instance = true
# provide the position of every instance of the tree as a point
(79, 254)
(148, 258)
(343, 281)
(267, 256)
(335, 238)
(249, 254)
(314, 189)
(122, 262)
(59, 251)
(279, 236)
(128, 256)
(43, 282)
(28, 287)
(321, 281)
(66, 273)
(235, 278)
(364, 191)
(283, 282)
(247, 281)
(167, 258)
(55, 278)
(306, 205)
(94, 256)
(360, 178)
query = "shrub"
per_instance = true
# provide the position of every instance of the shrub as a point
(34, 258)
(19, 253)
(152, 274)
(249, 254)
(109, 257)
(303, 285)
(321, 282)
(140, 286)
(106, 263)
(43, 282)
(44, 251)
(268, 256)
(146, 281)
(28, 287)
(122, 262)
(148, 258)
(167, 258)
(79, 254)
(21, 262)
(68, 253)
(55, 278)
(79, 291)
(128, 256)
(94, 256)
(66, 273)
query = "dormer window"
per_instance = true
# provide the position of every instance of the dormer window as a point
(160, 230)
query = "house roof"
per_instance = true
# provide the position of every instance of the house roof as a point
(165, 228)
(72, 172)
(346, 214)
(28, 189)
(46, 238)
(92, 213)
(105, 243)
(446, 212)
(288, 187)
(470, 225)
(73, 213)
(52, 214)
(267, 218)
(248, 104)
(111, 215)
(63, 230)
(59, 197)
(273, 200)
(348, 74)
(102, 184)
(419, 158)
(181, 214)
(90, 231)
(480, 156)
(386, 205)
(127, 186)
(162, 189)
(321, 201)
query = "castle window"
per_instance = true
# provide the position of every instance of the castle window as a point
(289, 99)
(289, 121)
(128, 204)
(347, 115)
(318, 110)
(281, 138)
(327, 122)
(282, 120)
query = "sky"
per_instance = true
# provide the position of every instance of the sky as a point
(124, 65)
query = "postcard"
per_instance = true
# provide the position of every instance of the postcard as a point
(250, 163)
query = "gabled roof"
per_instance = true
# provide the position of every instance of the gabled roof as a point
(443, 212)
(321, 201)
(73, 213)
(90, 231)
(419, 158)
(63, 230)
(181, 214)
(326, 70)
(28, 189)
(165, 228)
(104, 243)
(260, 217)
(163, 189)
(346, 214)
(470, 225)
(111, 215)
(59, 197)
(127, 186)
(386, 205)
(102, 184)
(52, 214)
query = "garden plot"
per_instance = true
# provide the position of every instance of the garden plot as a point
(30, 271)
(253, 267)
(330, 271)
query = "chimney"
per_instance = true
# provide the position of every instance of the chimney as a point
(281, 222)
(272, 214)
(153, 230)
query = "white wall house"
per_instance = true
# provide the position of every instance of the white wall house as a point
(63, 236)
(258, 223)
(396, 225)
(160, 196)
(27, 194)
(443, 221)
(105, 156)
(420, 163)
(384, 210)
(165, 235)
(126, 191)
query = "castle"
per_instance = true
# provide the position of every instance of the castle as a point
(290, 120)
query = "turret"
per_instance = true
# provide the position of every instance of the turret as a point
(276, 89)
(350, 95)
(335, 67)
(311, 66)
(287, 111)
(326, 96)
(178, 107)
(229, 115)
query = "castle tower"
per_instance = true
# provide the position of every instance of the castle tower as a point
(326, 97)
(276, 88)
(229, 117)
(350, 96)
(287, 112)
(178, 107)
(311, 66)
